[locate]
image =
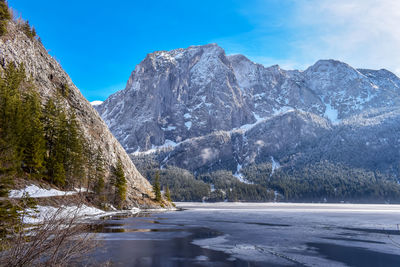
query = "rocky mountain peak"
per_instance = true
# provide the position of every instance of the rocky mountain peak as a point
(382, 78)
(209, 112)
(333, 75)
(181, 94)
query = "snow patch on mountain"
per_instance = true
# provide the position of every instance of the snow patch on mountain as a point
(239, 175)
(169, 128)
(96, 103)
(282, 110)
(188, 125)
(168, 144)
(249, 126)
(275, 165)
(331, 114)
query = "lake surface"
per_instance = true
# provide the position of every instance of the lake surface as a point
(243, 234)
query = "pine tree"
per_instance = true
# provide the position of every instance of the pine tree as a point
(28, 30)
(56, 134)
(65, 90)
(33, 32)
(66, 158)
(13, 127)
(50, 114)
(90, 157)
(9, 217)
(157, 187)
(33, 143)
(120, 184)
(11, 119)
(75, 157)
(168, 194)
(4, 17)
(99, 187)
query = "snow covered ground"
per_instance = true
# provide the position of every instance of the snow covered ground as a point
(42, 213)
(82, 212)
(35, 192)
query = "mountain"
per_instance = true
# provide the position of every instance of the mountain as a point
(174, 96)
(204, 111)
(48, 77)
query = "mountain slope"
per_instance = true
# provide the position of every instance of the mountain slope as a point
(49, 77)
(206, 111)
(176, 95)
(184, 93)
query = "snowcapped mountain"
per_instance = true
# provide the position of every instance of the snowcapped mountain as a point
(201, 110)
(173, 96)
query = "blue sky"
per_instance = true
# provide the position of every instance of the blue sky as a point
(100, 42)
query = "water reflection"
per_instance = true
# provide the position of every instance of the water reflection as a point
(159, 251)
(309, 240)
(122, 228)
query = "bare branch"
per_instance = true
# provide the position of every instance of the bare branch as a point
(60, 240)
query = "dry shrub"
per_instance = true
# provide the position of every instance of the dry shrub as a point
(60, 240)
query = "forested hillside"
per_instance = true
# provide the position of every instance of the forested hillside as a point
(50, 134)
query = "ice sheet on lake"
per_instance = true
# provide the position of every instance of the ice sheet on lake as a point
(279, 232)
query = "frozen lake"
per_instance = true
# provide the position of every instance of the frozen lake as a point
(250, 234)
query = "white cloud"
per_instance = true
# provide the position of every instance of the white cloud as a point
(363, 33)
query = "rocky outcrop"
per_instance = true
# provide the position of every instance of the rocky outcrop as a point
(275, 137)
(176, 95)
(202, 110)
(48, 78)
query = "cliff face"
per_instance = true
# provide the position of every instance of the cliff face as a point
(48, 78)
(174, 96)
(180, 94)
(201, 110)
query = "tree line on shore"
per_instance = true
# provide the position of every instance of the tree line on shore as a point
(322, 181)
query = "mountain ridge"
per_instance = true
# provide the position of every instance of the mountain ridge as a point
(260, 91)
(203, 111)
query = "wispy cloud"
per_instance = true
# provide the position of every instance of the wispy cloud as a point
(363, 33)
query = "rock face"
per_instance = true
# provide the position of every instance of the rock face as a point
(201, 110)
(48, 77)
(230, 149)
(174, 96)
